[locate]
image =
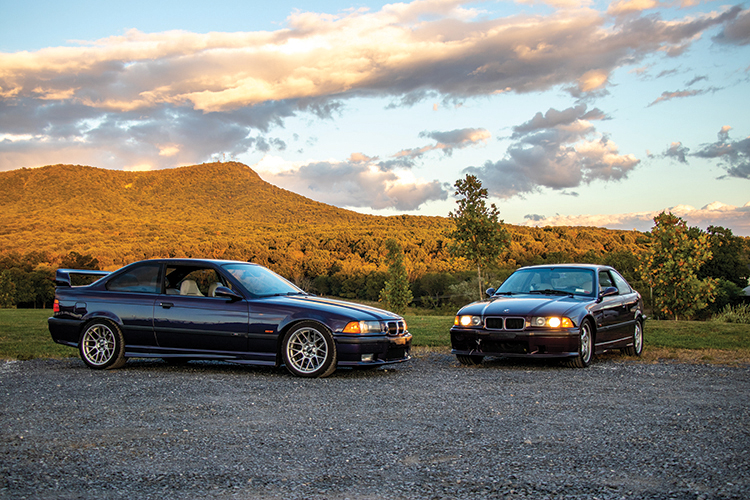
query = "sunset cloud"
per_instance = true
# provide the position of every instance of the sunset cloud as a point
(733, 156)
(736, 30)
(447, 142)
(668, 96)
(713, 214)
(557, 150)
(161, 88)
(358, 182)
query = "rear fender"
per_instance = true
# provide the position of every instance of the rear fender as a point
(93, 316)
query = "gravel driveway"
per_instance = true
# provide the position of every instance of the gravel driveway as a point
(429, 428)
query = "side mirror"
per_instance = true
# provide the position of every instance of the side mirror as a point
(607, 292)
(490, 292)
(224, 292)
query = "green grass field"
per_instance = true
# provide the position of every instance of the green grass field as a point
(24, 335)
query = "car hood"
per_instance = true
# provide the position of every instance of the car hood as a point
(339, 307)
(525, 305)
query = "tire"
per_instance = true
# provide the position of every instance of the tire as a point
(637, 348)
(585, 346)
(469, 360)
(309, 351)
(102, 345)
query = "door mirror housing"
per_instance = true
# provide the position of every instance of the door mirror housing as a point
(608, 292)
(227, 293)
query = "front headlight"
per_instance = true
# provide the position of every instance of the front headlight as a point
(467, 321)
(551, 322)
(363, 327)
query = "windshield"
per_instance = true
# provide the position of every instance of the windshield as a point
(260, 281)
(549, 280)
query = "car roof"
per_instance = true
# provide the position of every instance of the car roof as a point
(592, 267)
(187, 260)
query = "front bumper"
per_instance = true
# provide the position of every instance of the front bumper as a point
(363, 350)
(558, 343)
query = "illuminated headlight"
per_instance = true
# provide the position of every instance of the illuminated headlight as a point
(551, 322)
(363, 327)
(467, 321)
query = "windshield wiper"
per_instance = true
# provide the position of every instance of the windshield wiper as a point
(284, 294)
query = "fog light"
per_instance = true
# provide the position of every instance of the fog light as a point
(367, 357)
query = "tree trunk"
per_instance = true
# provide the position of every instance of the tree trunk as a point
(479, 279)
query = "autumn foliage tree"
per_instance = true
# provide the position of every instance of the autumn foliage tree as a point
(478, 235)
(670, 267)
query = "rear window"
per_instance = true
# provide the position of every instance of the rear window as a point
(141, 279)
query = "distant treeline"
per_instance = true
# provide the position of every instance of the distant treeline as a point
(345, 263)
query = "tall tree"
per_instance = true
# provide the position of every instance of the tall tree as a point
(396, 294)
(730, 257)
(478, 235)
(671, 264)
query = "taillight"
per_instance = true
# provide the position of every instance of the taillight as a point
(56, 306)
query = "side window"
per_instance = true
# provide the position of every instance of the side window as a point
(604, 280)
(193, 281)
(621, 284)
(142, 279)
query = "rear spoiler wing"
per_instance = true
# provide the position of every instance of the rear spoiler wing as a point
(62, 276)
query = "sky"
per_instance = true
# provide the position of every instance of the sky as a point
(570, 112)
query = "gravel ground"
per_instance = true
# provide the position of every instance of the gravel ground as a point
(429, 428)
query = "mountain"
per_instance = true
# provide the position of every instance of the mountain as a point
(214, 210)
(212, 191)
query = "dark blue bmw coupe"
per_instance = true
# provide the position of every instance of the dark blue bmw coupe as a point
(184, 309)
(553, 311)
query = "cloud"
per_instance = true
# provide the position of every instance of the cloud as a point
(447, 142)
(623, 7)
(677, 152)
(357, 182)
(713, 214)
(733, 156)
(163, 137)
(667, 96)
(557, 150)
(736, 31)
(100, 99)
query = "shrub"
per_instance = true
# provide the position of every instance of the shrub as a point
(734, 314)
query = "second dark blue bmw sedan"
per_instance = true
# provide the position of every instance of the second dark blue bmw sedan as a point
(183, 309)
(570, 311)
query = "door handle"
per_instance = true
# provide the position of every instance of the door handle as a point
(166, 305)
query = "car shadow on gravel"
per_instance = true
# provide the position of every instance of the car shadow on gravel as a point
(513, 363)
(208, 367)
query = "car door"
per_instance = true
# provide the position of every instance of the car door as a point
(130, 296)
(188, 317)
(629, 297)
(608, 318)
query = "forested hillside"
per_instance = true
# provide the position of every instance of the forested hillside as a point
(225, 210)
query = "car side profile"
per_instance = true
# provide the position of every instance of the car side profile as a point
(185, 309)
(568, 311)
